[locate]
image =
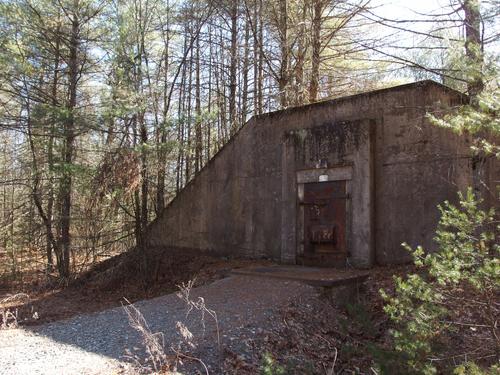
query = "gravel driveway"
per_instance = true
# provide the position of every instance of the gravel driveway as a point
(101, 343)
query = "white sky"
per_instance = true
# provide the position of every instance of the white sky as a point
(405, 8)
(409, 9)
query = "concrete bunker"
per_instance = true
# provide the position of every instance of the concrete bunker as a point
(334, 183)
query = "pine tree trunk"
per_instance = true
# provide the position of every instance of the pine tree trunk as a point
(260, 81)
(50, 156)
(181, 125)
(301, 53)
(209, 104)
(69, 138)
(283, 77)
(475, 85)
(233, 67)
(473, 46)
(198, 131)
(316, 49)
(189, 120)
(244, 94)
(162, 154)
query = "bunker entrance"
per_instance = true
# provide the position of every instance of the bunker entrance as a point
(325, 212)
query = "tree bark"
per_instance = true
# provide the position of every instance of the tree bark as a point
(162, 154)
(244, 94)
(283, 36)
(233, 67)
(316, 50)
(198, 131)
(69, 138)
(473, 47)
(301, 55)
(50, 154)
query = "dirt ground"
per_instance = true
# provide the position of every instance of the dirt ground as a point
(177, 330)
(349, 336)
(334, 335)
(305, 338)
(42, 301)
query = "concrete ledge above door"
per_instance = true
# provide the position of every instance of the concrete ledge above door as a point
(333, 174)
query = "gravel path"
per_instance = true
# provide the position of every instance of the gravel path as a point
(100, 343)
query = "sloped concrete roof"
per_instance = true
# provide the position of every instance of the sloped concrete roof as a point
(333, 101)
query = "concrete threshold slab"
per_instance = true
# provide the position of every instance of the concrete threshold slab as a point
(319, 277)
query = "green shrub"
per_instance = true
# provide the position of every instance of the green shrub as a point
(455, 290)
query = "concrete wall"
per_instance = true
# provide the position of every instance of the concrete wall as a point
(239, 203)
(418, 166)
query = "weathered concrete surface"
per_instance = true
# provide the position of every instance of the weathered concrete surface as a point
(314, 276)
(245, 201)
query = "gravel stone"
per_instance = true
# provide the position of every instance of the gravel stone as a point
(98, 343)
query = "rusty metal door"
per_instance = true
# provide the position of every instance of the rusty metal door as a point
(325, 212)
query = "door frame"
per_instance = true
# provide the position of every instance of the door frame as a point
(341, 173)
(357, 168)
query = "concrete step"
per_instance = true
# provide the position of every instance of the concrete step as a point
(315, 276)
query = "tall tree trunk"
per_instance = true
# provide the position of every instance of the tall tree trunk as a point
(244, 94)
(198, 131)
(256, 49)
(69, 138)
(50, 154)
(181, 125)
(221, 90)
(301, 54)
(473, 47)
(283, 75)
(316, 50)
(475, 85)
(260, 81)
(189, 120)
(208, 129)
(162, 153)
(233, 67)
(137, 192)
(144, 173)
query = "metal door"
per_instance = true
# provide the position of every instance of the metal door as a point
(325, 223)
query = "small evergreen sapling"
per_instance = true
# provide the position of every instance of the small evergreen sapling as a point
(457, 290)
